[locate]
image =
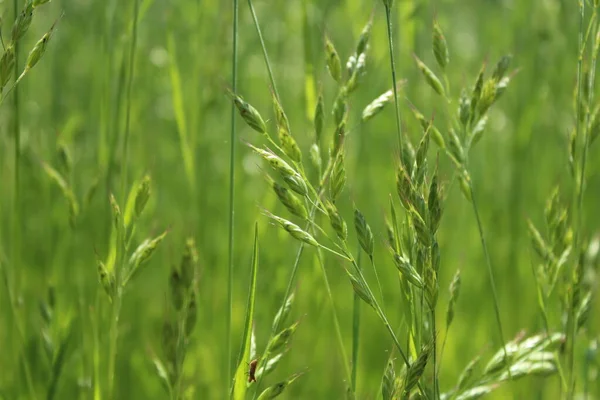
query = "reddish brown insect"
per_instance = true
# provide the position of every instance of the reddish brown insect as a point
(252, 370)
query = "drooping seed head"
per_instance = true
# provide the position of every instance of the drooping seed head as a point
(249, 114)
(363, 232)
(408, 271)
(416, 369)
(360, 289)
(488, 96)
(319, 117)
(337, 222)
(363, 39)
(282, 313)
(40, 48)
(294, 230)
(440, 47)
(288, 199)
(22, 23)
(388, 382)
(315, 156)
(434, 205)
(191, 314)
(7, 65)
(282, 338)
(337, 180)
(501, 67)
(189, 260)
(431, 79)
(340, 107)
(477, 88)
(288, 143)
(142, 195)
(334, 64)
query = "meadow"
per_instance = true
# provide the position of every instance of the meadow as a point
(362, 199)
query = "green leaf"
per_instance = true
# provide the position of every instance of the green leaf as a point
(239, 385)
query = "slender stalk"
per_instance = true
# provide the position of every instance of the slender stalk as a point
(388, 16)
(355, 331)
(490, 276)
(436, 382)
(125, 153)
(234, 52)
(579, 188)
(264, 48)
(377, 279)
(117, 300)
(16, 228)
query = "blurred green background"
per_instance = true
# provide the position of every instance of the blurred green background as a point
(75, 96)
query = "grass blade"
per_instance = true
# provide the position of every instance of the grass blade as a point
(239, 384)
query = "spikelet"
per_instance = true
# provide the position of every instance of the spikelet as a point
(319, 117)
(363, 232)
(288, 143)
(249, 114)
(142, 195)
(334, 64)
(440, 47)
(22, 23)
(337, 181)
(337, 222)
(7, 65)
(431, 79)
(294, 230)
(454, 292)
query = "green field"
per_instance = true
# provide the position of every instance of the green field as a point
(125, 276)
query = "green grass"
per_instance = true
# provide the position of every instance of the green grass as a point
(128, 89)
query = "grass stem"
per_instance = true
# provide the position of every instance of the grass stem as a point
(234, 52)
(388, 16)
(355, 329)
(264, 49)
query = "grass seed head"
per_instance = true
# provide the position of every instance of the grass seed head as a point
(423, 148)
(440, 47)
(143, 253)
(477, 392)
(106, 278)
(337, 222)
(117, 217)
(363, 39)
(283, 313)
(315, 156)
(294, 230)
(282, 338)
(142, 195)
(501, 67)
(360, 289)
(334, 64)
(476, 93)
(249, 114)
(177, 289)
(337, 180)
(22, 23)
(431, 79)
(416, 369)
(37, 3)
(189, 260)
(434, 205)
(319, 117)
(377, 105)
(289, 200)
(466, 375)
(387, 383)
(454, 293)
(488, 97)
(340, 107)
(465, 186)
(464, 108)
(408, 271)
(7, 65)
(339, 138)
(191, 316)
(363, 232)
(288, 143)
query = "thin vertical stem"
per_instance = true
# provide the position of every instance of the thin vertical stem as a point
(388, 12)
(579, 187)
(436, 383)
(264, 49)
(125, 153)
(231, 196)
(355, 330)
(490, 276)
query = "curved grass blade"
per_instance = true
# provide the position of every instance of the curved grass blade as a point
(239, 384)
